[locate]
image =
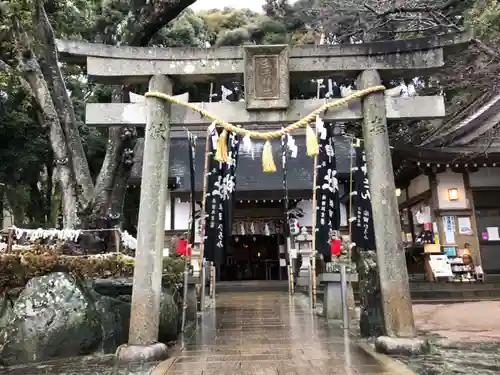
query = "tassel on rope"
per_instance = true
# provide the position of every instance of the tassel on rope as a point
(221, 154)
(311, 142)
(267, 158)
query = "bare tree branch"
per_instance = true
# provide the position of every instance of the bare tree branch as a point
(148, 18)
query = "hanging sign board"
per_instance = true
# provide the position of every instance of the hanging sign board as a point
(449, 229)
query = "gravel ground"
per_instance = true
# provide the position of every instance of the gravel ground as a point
(466, 339)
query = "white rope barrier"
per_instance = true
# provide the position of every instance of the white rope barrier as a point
(71, 235)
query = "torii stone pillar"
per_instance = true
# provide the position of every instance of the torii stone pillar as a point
(396, 302)
(146, 293)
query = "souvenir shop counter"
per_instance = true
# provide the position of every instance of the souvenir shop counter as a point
(449, 263)
(443, 263)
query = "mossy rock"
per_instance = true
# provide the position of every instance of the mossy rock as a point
(20, 266)
(16, 269)
(53, 317)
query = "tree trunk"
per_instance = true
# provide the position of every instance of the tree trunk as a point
(48, 189)
(111, 184)
(49, 63)
(35, 209)
(117, 199)
(33, 75)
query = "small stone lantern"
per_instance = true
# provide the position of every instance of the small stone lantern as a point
(304, 248)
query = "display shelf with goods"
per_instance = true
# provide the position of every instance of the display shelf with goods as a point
(462, 272)
(459, 263)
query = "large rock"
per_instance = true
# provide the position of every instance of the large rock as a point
(54, 316)
(115, 322)
(58, 316)
(401, 345)
(120, 290)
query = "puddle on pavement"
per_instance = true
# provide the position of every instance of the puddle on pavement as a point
(458, 358)
(102, 365)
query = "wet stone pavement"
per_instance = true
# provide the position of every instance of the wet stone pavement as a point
(269, 333)
(246, 333)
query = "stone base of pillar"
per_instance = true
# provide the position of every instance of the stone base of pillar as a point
(332, 297)
(192, 299)
(371, 319)
(141, 353)
(303, 277)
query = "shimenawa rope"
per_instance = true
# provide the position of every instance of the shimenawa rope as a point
(267, 155)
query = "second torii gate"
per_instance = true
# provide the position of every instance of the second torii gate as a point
(267, 71)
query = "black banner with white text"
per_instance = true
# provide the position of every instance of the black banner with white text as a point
(363, 234)
(327, 193)
(221, 185)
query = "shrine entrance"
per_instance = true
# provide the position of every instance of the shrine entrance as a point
(253, 257)
(257, 242)
(268, 112)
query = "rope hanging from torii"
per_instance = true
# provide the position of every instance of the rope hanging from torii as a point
(267, 154)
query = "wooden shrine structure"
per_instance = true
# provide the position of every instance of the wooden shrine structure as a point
(267, 72)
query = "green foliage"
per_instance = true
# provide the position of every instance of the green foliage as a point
(187, 30)
(19, 266)
(484, 18)
(24, 149)
(173, 271)
(25, 155)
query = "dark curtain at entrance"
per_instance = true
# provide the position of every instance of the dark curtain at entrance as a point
(363, 234)
(221, 185)
(192, 150)
(327, 194)
(228, 187)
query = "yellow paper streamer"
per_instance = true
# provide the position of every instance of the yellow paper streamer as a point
(311, 142)
(221, 154)
(267, 158)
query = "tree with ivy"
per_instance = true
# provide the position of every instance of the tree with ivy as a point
(57, 91)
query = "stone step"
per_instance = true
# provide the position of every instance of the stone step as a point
(425, 291)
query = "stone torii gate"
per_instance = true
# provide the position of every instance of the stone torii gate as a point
(266, 71)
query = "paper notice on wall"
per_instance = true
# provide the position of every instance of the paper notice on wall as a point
(464, 225)
(449, 229)
(493, 234)
(282, 262)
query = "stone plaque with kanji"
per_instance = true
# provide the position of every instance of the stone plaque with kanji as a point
(267, 83)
